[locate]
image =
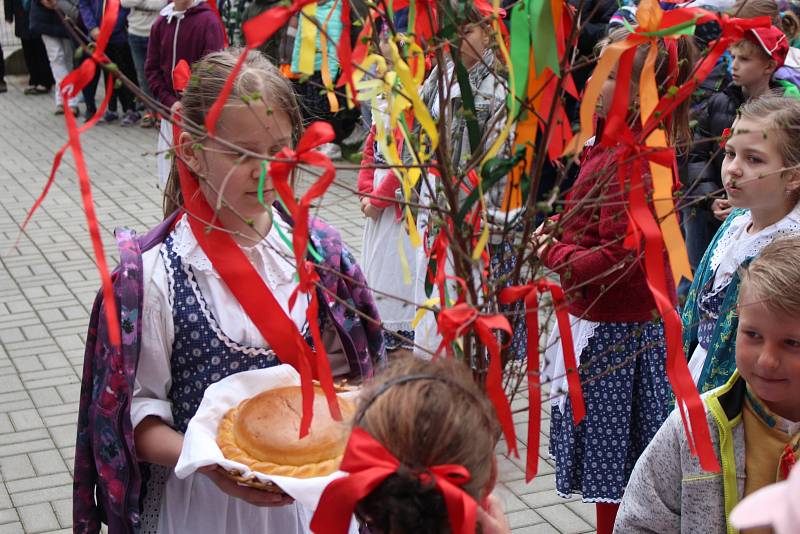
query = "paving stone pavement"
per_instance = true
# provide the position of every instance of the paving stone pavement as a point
(48, 283)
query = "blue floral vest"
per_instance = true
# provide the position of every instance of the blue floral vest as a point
(201, 354)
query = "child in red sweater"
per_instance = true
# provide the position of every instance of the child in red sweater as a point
(619, 336)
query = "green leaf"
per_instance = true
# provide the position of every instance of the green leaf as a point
(468, 100)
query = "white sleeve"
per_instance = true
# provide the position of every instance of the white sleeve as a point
(153, 375)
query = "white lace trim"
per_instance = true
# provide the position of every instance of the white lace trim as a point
(250, 351)
(170, 275)
(582, 331)
(394, 326)
(736, 246)
(185, 245)
(583, 499)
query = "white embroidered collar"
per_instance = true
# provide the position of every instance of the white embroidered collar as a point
(737, 246)
(270, 256)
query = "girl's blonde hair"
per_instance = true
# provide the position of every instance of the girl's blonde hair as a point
(781, 116)
(258, 79)
(773, 277)
(439, 416)
(788, 21)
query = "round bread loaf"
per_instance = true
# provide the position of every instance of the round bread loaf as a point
(263, 433)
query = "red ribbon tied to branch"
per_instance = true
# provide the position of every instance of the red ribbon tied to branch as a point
(530, 295)
(70, 87)
(453, 322)
(645, 234)
(369, 463)
(280, 169)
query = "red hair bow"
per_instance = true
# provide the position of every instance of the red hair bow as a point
(368, 464)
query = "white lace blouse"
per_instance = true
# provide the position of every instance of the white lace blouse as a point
(195, 504)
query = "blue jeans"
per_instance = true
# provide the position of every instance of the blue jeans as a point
(139, 52)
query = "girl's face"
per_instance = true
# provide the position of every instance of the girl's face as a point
(768, 354)
(752, 168)
(231, 174)
(607, 93)
(473, 45)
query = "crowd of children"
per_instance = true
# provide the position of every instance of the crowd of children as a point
(629, 455)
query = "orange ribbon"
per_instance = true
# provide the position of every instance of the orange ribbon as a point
(650, 145)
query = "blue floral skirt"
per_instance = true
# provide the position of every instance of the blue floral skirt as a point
(627, 398)
(503, 260)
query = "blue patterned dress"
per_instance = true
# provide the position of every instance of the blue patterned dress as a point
(201, 353)
(627, 397)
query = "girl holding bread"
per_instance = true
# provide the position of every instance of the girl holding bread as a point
(183, 327)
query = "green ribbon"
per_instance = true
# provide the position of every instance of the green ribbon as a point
(543, 36)
(288, 242)
(520, 29)
(684, 28)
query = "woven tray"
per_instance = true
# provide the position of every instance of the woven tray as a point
(254, 482)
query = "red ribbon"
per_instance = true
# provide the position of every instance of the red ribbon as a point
(70, 86)
(256, 31)
(425, 21)
(368, 464)
(788, 459)
(345, 53)
(280, 170)
(278, 329)
(60, 154)
(530, 294)
(726, 134)
(181, 75)
(644, 227)
(732, 30)
(642, 223)
(454, 322)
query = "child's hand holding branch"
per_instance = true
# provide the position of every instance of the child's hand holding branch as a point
(544, 237)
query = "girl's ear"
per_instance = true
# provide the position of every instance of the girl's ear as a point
(189, 151)
(793, 183)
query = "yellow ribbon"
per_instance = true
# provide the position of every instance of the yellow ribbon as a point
(433, 301)
(327, 78)
(308, 42)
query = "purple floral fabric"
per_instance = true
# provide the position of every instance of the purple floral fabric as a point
(108, 478)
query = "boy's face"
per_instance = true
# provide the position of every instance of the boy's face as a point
(751, 67)
(768, 354)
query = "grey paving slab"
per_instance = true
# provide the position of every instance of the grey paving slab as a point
(47, 285)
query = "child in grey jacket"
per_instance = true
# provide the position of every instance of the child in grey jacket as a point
(754, 419)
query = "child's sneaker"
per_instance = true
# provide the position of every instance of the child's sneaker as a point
(130, 118)
(148, 120)
(109, 117)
